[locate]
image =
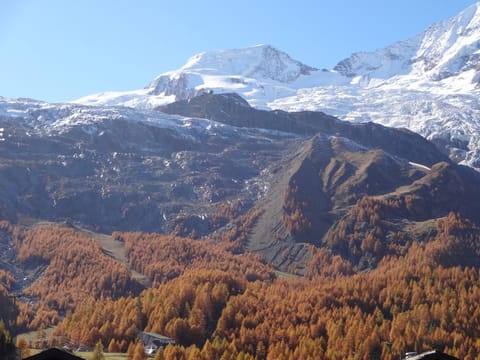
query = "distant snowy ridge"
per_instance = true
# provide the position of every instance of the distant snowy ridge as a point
(259, 73)
(43, 118)
(257, 62)
(443, 50)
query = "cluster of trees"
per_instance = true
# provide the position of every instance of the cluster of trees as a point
(7, 346)
(410, 302)
(406, 304)
(371, 231)
(74, 269)
(293, 214)
(77, 268)
(186, 309)
(324, 263)
(364, 236)
(225, 212)
(8, 308)
(164, 257)
(6, 280)
(367, 231)
(218, 302)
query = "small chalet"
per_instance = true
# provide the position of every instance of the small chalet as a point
(54, 354)
(430, 355)
(153, 342)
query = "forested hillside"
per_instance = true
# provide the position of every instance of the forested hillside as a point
(215, 302)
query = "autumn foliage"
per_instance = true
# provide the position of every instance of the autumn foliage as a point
(76, 267)
(163, 258)
(186, 309)
(9, 309)
(293, 214)
(406, 304)
(422, 293)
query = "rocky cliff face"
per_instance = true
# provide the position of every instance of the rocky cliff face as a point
(128, 170)
(121, 169)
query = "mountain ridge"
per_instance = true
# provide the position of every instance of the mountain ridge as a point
(176, 169)
(429, 52)
(427, 83)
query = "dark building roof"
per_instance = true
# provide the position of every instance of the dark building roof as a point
(54, 354)
(432, 355)
(149, 336)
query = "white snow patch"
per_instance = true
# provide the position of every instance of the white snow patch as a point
(424, 167)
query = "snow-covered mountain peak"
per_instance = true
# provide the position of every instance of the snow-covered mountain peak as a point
(380, 64)
(260, 61)
(444, 49)
(452, 46)
(259, 73)
(243, 70)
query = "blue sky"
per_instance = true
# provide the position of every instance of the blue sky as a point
(59, 50)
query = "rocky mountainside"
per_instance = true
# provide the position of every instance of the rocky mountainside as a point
(428, 84)
(176, 169)
(132, 170)
(321, 182)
